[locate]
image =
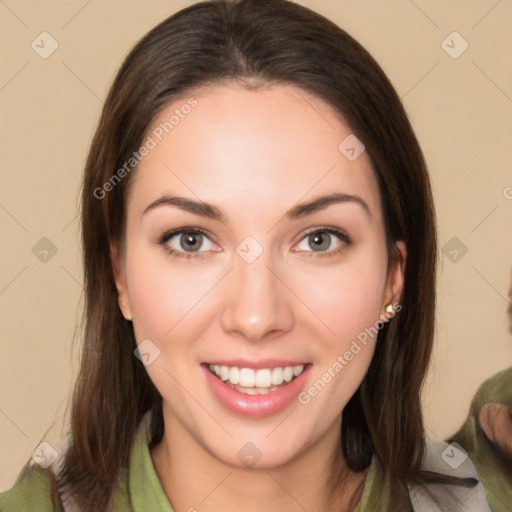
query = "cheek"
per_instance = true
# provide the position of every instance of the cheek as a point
(349, 305)
(166, 295)
(346, 299)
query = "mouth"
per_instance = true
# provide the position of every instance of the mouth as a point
(260, 381)
(256, 393)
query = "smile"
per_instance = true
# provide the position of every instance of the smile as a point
(256, 393)
(254, 382)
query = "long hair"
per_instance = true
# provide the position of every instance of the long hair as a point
(253, 42)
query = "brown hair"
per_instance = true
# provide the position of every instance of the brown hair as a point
(252, 42)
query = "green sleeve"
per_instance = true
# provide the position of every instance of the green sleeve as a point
(493, 468)
(31, 492)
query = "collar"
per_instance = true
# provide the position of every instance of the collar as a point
(145, 489)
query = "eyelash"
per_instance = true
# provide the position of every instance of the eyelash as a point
(345, 239)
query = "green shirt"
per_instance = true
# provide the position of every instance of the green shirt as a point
(140, 490)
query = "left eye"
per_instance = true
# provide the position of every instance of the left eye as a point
(322, 239)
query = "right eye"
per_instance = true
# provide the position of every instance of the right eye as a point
(178, 242)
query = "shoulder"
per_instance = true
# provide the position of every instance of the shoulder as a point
(485, 441)
(496, 389)
(449, 460)
(31, 491)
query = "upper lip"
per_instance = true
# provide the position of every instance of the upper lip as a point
(256, 365)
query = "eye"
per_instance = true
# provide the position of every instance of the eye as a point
(185, 242)
(321, 239)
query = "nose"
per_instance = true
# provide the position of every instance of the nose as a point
(258, 302)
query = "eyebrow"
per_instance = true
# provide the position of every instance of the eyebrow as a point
(211, 211)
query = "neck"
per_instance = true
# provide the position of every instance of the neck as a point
(193, 479)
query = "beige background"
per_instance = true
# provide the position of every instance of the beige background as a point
(460, 108)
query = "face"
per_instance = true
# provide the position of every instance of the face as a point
(277, 293)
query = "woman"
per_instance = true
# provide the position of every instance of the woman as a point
(259, 251)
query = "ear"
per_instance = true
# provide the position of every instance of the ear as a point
(120, 280)
(395, 279)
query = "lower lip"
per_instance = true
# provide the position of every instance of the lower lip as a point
(256, 406)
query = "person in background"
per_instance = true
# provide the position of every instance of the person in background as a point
(486, 435)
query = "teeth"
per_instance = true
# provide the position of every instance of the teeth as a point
(297, 370)
(263, 378)
(252, 391)
(277, 376)
(247, 377)
(234, 375)
(224, 372)
(259, 380)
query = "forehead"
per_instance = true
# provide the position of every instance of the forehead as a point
(242, 148)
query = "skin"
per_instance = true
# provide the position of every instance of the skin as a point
(496, 422)
(254, 154)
